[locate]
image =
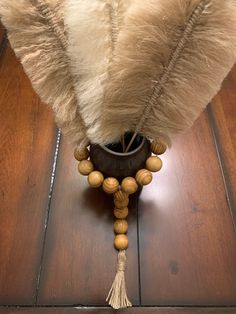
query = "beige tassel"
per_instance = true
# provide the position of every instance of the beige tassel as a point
(117, 297)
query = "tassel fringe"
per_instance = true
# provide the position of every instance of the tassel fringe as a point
(117, 297)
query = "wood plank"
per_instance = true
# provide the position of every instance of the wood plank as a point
(186, 235)
(80, 262)
(122, 311)
(27, 140)
(223, 114)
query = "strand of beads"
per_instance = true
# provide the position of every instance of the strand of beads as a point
(121, 192)
(121, 211)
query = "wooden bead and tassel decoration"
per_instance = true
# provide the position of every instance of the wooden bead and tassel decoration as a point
(117, 296)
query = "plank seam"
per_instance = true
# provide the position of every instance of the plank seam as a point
(139, 258)
(56, 153)
(223, 168)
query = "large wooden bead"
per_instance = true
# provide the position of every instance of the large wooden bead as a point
(158, 148)
(121, 203)
(121, 195)
(144, 177)
(129, 185)
(81, 154)
(120, 226)
(110, 185)
(121, 213)
(95, 179)
(154, 164)
(85, 167)
(121, 242)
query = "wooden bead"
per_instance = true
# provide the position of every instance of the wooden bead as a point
(121, 203)
(110, 185)
(121, 195)
(81, 154)
(121, 242)
(120, 226)
(121, 213)
(158, 148)
(85, 167)
(144, 177)
(95, 179)
(154, 164)
(129, 185)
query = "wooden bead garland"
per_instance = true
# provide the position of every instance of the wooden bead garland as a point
(95, 179)
(154, 164)
(85, 167)
(121, 213)
(121, 195)
(81, 154)
(121, 203)
(110, 185)
(129, 185)
(120, 226)
(144, 177)
(158, 148)
(121, 242)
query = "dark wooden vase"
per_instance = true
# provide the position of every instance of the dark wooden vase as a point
(114, 163)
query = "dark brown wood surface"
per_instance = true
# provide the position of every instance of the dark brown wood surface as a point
(80, 261)
(122, 311)
(186, 235)
(27, 140)
(223, 118)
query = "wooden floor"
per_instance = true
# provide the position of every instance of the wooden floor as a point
(56, 234)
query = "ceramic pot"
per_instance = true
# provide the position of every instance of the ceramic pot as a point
(114, 163)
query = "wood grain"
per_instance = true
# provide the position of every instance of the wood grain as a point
(27, 140)
(122, 311)
(223, 117)
(187, 240)
(80, 261)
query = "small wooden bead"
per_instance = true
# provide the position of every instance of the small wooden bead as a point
(144, 177)
(85, 167)
(121, 242)
(81, 154)
(158, 148)
(121, 203)
(129, 185)
(120, 226)
(121, 213)
(95, 179)
(110, 185)
(154, 164)
(121, 195)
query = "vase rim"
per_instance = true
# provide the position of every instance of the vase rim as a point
(124, 154)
